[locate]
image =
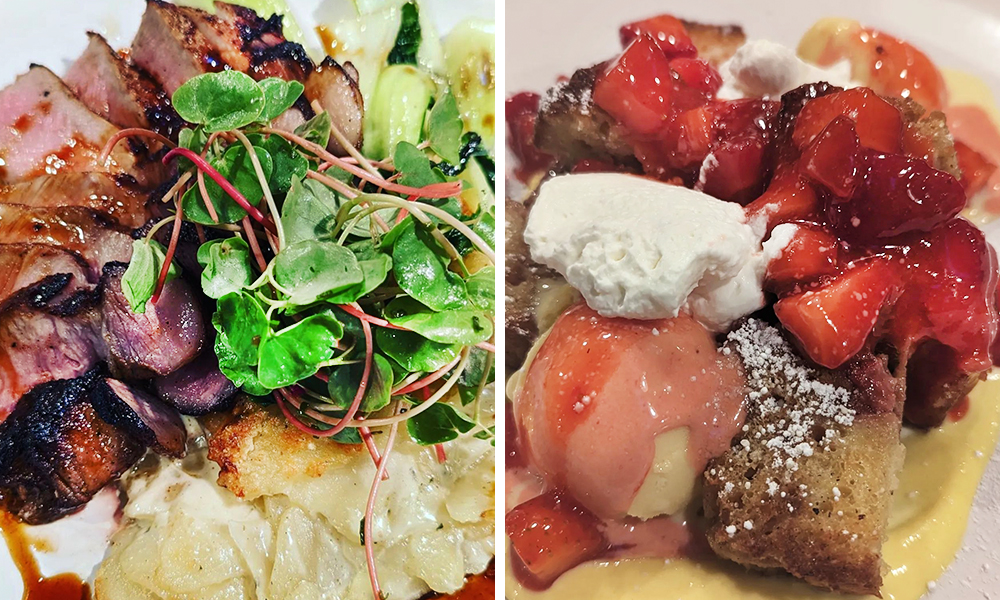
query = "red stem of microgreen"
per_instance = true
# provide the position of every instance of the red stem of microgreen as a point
(254, 246)
(366, 437)
(370, 510)
(132, 132)
(367, 318)
(217, 177)
(171, 250)
(280, 397)
(487, 346)
(421, 384)
(203, 191)
(441, 456)
(437, 190)
(363, 386)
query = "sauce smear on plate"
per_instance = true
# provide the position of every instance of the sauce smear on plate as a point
(65, 586)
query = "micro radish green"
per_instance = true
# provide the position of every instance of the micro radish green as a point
(356, 292)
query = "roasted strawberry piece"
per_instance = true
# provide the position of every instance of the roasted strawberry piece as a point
(880, 61)
(737, 166)
(550, 535)
(976, 168)
(899, 194)
(833, 323)
(951, 293)
(689, 137)
(832, 158)
(521, 112)
(790, 197)
(636, 88)
(879, 124)
(695, 83)
(809, 256)
(667, 31)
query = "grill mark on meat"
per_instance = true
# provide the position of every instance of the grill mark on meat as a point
(56, 452)
(76, 229)
(116, 196)
(23, 265)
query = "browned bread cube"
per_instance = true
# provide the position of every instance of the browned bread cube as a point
(807, 486)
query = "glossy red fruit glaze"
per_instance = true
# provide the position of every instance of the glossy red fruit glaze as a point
(832, 158)
(667, 31)
(976, 168)
(589, 165)
(950, 296)
(636, 89)
(737, 166)
(833, 322)
(521, 113)
(689, 137)
(878, 123)
(899, 194)
(790, 197)
(549, 535)
(809, 256)
(697, 74)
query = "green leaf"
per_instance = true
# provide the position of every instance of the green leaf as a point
(349, 436)
(289, 164)
(297, 351)
(279, 96)
(414, 352)
(312, 270)
(220, 101)
(235, 165)
(486, 228)
(414, 166)
(139, 280)
(241, 324)
(438, 424)
(345, 379)
(309, 211)
(472, 146)
(445, 129)
(455, 326)
(420, 266)
(195, 141)
(375, 271)
(316, 129)
(480, 361)
(482, 288)
(226, 266)
(404, 51)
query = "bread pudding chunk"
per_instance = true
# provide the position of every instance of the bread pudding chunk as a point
(807, 486)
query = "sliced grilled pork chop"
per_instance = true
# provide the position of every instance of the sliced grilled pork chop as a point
(72, 228)
(336, 89)
(250, 43)
(114, 89)
(45, 129)
(56, 452)
(69, 438)
(43, 339)
(117, 196)
(170, 48)
(24, 265)
(176, 43)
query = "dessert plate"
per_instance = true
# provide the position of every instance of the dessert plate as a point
(549, 39)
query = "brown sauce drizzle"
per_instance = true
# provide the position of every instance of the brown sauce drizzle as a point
(65, 586)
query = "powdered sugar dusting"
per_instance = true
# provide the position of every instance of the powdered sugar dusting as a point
(774, 372)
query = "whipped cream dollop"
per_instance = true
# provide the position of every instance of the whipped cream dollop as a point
(642, 249)
(761, 68)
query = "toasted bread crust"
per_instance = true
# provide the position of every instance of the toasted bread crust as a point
(715, 43)
(807, 487)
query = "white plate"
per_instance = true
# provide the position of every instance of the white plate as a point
(53, 33)
(546, 39)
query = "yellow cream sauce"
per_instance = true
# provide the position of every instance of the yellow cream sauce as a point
(930, 511)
